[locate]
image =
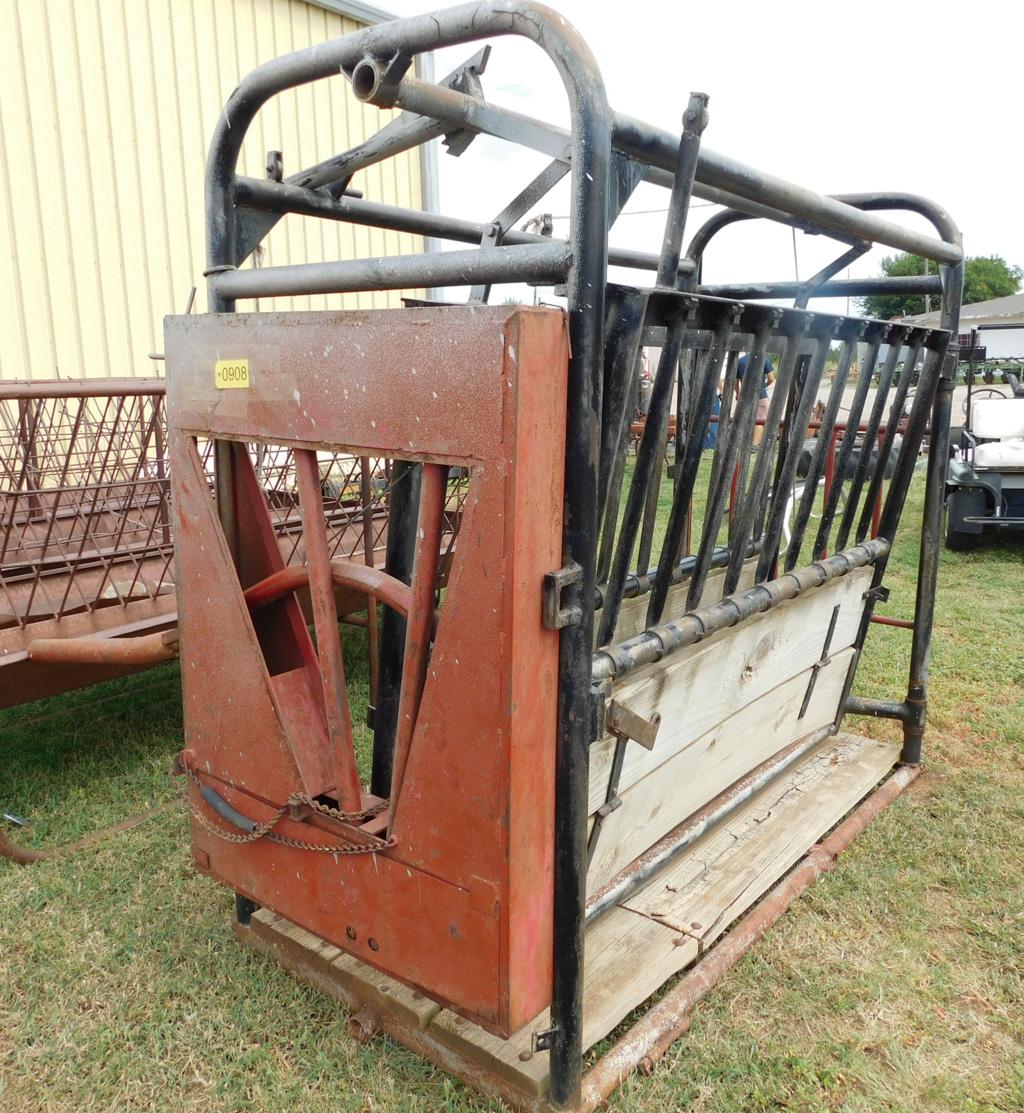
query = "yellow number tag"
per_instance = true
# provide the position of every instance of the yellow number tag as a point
(229, 373)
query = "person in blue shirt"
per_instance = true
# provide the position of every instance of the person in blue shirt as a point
(767, 378)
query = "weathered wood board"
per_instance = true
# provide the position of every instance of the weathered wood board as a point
(714, 886)
(699, 687)
(726, 705)
(673, 791)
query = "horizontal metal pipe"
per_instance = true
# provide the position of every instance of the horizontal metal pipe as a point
(636, 875)
(719, 179)
(637, 584)
(659, 148)
(648, 1040)
(152, 649)
(614, 662)
(837, 288)
(547, 262)
(879, 708)
(77, 388)
(886, 620)
(280, 197)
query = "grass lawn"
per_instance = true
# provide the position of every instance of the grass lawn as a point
(897, 983)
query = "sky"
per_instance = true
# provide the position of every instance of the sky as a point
(839, 98)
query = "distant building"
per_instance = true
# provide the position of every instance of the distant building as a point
(998, 322)
(106, 113)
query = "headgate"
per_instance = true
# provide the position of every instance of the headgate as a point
(612, 723)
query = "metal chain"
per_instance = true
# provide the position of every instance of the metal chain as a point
(265, 830)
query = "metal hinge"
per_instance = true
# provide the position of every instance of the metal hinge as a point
(555, 616)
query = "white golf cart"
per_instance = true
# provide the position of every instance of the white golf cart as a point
(985, 480)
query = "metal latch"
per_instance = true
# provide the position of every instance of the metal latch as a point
(544, 1040)
(555, 616)
(628, 726)
(880, 594)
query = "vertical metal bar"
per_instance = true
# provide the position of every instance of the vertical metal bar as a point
(591, 166)
(891, 511)
(686, 469)
(616, 462)
(624, 331)
(870, 433)
(931, 526)
(328, 637)
(403, 510)
(647, 459)
(650, 521)
(366, 498)
(801, 416)
(434, 488)
(928, 566)
(725, 411)
(824, 455)
(739, 439)
(695, 120)
(886, 439)
(876, 333)
(751, 499)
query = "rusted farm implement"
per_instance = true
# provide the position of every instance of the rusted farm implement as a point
(87, 590)
(610, 735)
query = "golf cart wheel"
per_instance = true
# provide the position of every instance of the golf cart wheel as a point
(958, 540)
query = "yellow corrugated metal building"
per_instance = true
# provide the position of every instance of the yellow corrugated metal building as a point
(106, 111)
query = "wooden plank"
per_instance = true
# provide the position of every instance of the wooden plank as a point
(732, 866)
(341, 975)
(701, 686)
(711, 763)
(633, 612)
(628, 957)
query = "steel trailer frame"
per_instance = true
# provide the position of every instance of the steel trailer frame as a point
(606, 154)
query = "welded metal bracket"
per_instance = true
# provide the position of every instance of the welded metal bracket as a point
(628, 726)
(879, 594)
(555, 616)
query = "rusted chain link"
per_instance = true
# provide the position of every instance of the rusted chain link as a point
(265, 830)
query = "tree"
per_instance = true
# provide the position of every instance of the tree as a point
(985, 276)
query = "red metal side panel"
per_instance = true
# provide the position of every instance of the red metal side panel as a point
(540, 367)
(461, 906)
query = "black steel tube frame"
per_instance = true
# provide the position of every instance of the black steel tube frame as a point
(376, 60)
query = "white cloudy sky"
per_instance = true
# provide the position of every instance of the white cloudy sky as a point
(922, 98)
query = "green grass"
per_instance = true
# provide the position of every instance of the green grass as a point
(897, 983)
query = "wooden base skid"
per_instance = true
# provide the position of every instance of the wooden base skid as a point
(637, 946)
